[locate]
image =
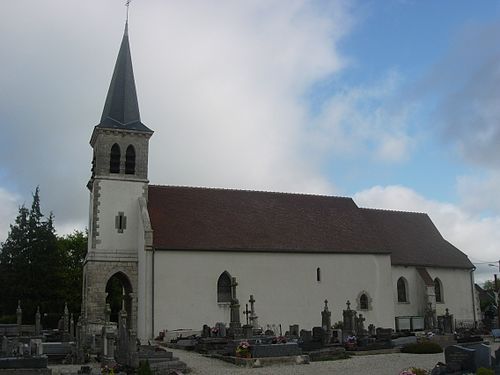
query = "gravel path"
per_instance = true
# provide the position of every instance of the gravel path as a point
(381, 364)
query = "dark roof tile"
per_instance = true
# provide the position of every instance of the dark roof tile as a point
(189, 218)
(220, 219)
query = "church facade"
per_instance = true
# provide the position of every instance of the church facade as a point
(176, 251)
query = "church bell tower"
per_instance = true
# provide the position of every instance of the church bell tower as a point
(119, 180)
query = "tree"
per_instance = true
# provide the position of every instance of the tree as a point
(74, 248)
(39, 268)
(490, 285)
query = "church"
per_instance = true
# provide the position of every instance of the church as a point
(178, 251)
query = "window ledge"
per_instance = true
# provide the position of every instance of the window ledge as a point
(404, 303)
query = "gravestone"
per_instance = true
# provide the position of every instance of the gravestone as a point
(336, 336)
(360, 325)
(459, 358)
(235, 323)
(5, 346)
(19, 316)
(247, 331)
(72, 328)
(349, 321)
(305, 335)
(384, 334)
(220, 329)
(447, 322)
(482, 356)
(36, 346)
(326, 324)
(429, 317)
(206, 331)
(122, 347)
(294, 330)
(318, 333)
(37, 322)
(57, 350)
(326, 317)
(371, 330)
(253, 317)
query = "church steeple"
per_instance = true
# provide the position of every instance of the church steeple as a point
(121, 109)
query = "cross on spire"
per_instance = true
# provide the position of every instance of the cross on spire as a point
(127, 4)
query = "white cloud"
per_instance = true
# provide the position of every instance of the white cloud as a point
(364, 122)
(475, 235)
(479, 194)
(222, 84)
(9, 202)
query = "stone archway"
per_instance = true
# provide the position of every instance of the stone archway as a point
(100, 279)
(119, 294)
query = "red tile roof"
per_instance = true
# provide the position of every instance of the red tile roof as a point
(413, 239)
(220, 219)
(189, 218)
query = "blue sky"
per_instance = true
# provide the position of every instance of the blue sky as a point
(395, 103)
(407, 38)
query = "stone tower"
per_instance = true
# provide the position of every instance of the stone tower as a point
(118, 182)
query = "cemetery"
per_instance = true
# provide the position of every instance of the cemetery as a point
(29, 349)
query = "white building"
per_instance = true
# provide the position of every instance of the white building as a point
(175, 249)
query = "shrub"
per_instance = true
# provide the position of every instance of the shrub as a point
(419, 371)
(426, 347)
(484, 371)
(144, 368)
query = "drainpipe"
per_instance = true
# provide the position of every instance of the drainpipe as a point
(153, 292)
(473, 295)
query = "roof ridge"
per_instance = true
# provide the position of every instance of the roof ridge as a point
(394, 211)
(251, 191)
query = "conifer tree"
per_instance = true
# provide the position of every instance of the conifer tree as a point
(31, 263)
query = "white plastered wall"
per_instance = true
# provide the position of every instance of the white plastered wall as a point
(456, 292)
(283, 284)
(120, 196)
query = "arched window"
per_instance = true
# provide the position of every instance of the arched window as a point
(130, 160)
(363, 302)
(438, 290)
(318, 274)
(224, 287)
(114, 159)
(402, 290)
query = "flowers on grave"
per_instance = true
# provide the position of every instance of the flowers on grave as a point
(215, 331)
(350, 342)
(243, 349)
(278, 340)
(109, 370)
(414, 371)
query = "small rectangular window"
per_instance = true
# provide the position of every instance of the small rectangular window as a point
(120, 222)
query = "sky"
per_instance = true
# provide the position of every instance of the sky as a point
(395, 103)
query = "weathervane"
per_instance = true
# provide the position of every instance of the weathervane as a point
(127, 4)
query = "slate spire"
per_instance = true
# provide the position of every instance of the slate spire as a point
(121, 110)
